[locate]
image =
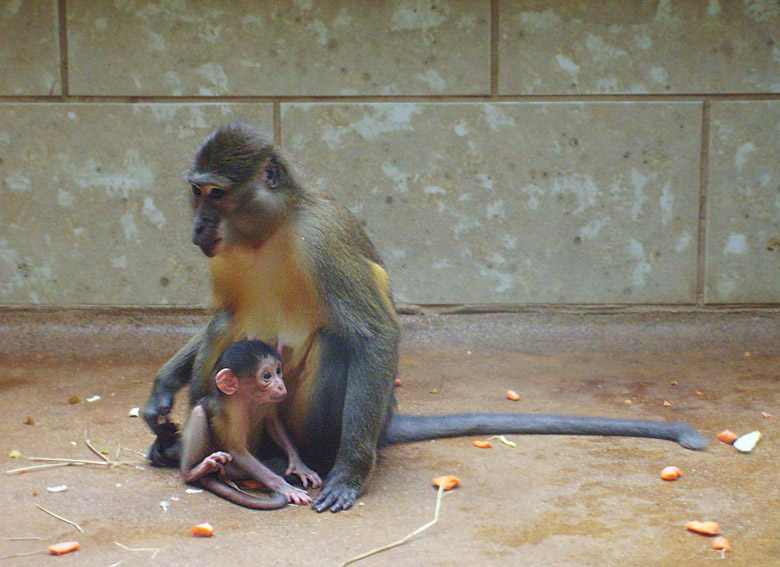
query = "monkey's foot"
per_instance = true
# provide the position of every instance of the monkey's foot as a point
(337, 495)
(293, 495)
(166, 449)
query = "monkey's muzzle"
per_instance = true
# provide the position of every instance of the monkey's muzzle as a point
(210, 249)
(206, 234)
(207, 239)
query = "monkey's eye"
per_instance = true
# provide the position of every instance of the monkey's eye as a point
(216, 193)
(267, 376)
(279, 370)
(195, 190)
(272, 174)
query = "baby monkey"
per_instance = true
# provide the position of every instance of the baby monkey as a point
(225, 428)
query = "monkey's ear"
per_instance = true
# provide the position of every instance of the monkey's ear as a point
(273, 172)
(227, 382)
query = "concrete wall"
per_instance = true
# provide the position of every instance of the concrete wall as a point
(500, 152)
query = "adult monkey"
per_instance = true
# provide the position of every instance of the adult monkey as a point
(291, 266)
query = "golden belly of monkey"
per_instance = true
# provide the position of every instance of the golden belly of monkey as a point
(272, 296)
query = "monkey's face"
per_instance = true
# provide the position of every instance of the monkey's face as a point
(240, 190)
(208, 228)
(269, 381)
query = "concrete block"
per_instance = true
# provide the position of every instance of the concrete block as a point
(95, 210)
(505, 203)
(743, 203)
(606, 47)
(29, 48)
(336, 47)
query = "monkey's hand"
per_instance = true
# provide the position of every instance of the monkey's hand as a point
(304, 473)
(339, 493)
(213, 463)
(156, 410)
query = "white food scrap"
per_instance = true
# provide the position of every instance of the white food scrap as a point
(747, 442)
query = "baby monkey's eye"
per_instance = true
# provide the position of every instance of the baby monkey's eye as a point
(279, 370)
(267, 376)
(216, 193)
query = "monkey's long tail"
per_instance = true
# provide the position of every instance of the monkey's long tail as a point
(406, 428)
(216, 486)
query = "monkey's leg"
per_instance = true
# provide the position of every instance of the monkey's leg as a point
(258, 471)
(371, 364)
(199, 466)
(295, 465)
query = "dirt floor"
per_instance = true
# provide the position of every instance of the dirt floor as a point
(563, 501)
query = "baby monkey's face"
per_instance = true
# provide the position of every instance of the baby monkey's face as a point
(269, 380)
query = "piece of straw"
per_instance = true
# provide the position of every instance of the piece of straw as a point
(50, 513)
(69, 461)
(23, 554)
(405, 539)
(91, 448)
(37, 468)
(154, 549)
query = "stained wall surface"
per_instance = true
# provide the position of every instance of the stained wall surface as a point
(499, 152)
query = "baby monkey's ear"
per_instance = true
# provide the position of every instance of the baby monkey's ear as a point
(227, 382)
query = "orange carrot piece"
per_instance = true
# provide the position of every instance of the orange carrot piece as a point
(727, 437)
(512, 395)
(766, 415)
(670, 473)
(707, 528)
(251, 484)
(202, 530)
(721, 542)
(448, 482)
(63, 547)
(483, 444)
(667, 404)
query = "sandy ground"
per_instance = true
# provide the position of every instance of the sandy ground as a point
(563, 501)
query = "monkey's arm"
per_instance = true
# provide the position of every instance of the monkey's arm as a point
(174, 375)
(370, 374)
(171, 378)
(188, 366)
(295, 465)
(361, 351)
(216, 337)
(196, 462)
